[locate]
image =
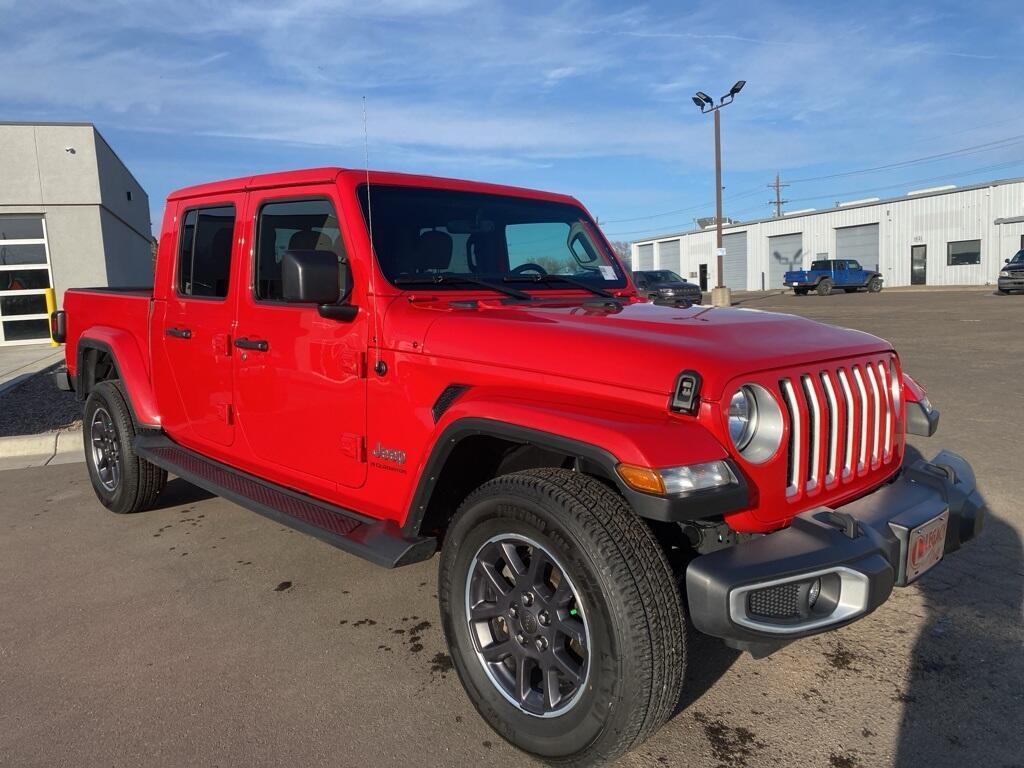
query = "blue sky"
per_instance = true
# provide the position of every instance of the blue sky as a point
(592, 99)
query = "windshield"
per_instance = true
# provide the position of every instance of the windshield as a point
(664, 276)
(1018, 258)
(427, 235)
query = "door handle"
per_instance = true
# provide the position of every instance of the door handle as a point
(258, 344)
(180, 333)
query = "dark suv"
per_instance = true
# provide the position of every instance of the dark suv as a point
(666, 284)
(1011, 276)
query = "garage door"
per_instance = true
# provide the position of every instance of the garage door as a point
(860, 243)
(644, 257)
(734, 263)
(785, 253)
(668, 255)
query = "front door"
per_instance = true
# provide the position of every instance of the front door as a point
(196, 324)
(300, 386)
(918, 265)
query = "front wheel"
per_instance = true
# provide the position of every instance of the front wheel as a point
(123, 481)
(562, 616)
(875, 285)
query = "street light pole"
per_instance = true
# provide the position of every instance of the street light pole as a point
(718, 196)
(720, 297)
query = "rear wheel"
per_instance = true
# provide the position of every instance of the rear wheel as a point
(800, 291)
(875, 285)
(824, 287)
(123, 482)
(562, 616)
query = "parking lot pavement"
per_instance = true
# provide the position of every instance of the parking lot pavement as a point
(200, 633)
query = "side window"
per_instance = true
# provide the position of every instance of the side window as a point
(853, 266)
(294, 225)
(204, 254)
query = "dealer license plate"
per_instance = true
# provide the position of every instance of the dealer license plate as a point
(925, 546)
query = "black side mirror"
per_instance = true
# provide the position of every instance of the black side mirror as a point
(317, 277)
(1006, 261)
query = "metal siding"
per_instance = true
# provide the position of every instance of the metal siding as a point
(859, 243)
(644, 257)
(734, 263)
(785, 253)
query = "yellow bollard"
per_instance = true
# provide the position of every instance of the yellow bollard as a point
(51, 307)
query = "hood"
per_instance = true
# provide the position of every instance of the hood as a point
(640, 346)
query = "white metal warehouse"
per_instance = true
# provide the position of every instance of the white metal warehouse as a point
(940, 236)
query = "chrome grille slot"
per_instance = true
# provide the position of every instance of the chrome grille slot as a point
(876, 417)
(795, 414)
(890, 414)
(833, 428)
(813, 432)
(851, 425)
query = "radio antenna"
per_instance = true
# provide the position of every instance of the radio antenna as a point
(378, 365)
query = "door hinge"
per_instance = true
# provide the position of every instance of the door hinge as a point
(354, 446)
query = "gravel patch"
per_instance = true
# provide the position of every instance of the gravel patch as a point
(36, 406)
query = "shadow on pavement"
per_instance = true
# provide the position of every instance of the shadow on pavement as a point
(180, 492)
(964, 699)
(707, 661)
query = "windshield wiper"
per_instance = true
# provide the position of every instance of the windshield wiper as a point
(550, 278)
(447, 279)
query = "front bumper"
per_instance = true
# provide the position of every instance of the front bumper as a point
(857, 553)
(1011, 283)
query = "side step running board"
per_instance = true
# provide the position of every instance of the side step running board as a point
(378, 541)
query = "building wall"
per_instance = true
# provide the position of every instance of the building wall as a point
(96, 235)
(931, 220)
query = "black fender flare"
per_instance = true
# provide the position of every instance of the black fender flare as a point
(592, 459)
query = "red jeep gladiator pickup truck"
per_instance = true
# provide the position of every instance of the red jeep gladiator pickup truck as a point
(399, 365)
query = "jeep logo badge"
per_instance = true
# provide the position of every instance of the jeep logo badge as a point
(388, 454)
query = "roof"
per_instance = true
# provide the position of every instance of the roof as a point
(331, 174)
(846, 207)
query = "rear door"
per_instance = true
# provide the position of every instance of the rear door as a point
(197, 319)
(301, 392)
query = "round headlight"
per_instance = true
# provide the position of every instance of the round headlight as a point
(755, 423)
(742, 417)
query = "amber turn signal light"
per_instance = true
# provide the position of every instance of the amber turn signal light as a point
(642, 479)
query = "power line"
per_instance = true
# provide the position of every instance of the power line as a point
(987, 147)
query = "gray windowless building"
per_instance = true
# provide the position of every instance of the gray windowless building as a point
(71, 215)
(941, 236)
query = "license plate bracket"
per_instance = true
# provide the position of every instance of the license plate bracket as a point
(921, 547)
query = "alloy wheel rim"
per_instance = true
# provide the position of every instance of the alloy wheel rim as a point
(528, 625)
(106, 451)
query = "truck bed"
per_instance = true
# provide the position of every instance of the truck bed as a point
(103, 312)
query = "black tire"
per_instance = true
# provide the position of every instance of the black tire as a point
(107, 431)
(625, 586)
(800, 291)
(875, 285)
(1002, 291)
(824, 287)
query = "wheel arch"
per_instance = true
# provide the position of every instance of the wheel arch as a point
(114, 354)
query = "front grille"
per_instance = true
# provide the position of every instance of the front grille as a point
(778, 602)
(842, 424)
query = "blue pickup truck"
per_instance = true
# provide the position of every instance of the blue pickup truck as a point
(824, 277)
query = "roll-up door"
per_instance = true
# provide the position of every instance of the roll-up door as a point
(734, 263)
(785, 253)
(668, 255)
(858, 243)
(644, 257)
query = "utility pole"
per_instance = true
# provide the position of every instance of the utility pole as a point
(778, 202)
(720, 297)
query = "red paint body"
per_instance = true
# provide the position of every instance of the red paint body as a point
(308, 412)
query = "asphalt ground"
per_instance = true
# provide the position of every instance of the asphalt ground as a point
(203, 634)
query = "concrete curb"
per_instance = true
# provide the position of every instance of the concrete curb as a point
(22, 451)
